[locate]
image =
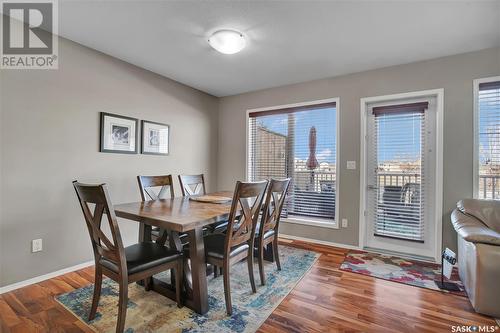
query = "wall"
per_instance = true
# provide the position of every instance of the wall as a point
(50, 136)
(454, 74)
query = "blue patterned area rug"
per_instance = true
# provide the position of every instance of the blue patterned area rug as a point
(151, 312)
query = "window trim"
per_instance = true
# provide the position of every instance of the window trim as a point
(306, 221)
(475, 173)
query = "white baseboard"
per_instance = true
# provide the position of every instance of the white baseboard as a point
(51, 275)
(44, 277)
(316, 241)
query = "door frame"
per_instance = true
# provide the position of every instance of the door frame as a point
(438, 215)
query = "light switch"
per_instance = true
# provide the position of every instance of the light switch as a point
(36, 245)
(351, 165)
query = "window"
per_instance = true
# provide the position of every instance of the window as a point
(298, 142)
(487, 106)
(397, 158)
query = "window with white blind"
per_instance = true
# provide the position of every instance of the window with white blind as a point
(301, 143)
(487, 103)
(397, 183)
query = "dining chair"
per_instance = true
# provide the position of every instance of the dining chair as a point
(124, 265)
(224, 250)
(267, 230)
(195, 185)
(154, 188)
(192, 184)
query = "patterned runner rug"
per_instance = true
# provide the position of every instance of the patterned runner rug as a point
(411, 272)
(151, 312)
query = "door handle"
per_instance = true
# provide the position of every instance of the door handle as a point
(372, 187)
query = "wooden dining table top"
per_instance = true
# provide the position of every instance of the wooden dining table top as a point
(178, 214)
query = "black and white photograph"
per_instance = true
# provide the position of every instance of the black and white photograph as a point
(155, 138)
(118, 134)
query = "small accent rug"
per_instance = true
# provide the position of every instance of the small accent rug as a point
(406, 271)
(151, 312)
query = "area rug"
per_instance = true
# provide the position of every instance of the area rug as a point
(411, 272)
(151, 312)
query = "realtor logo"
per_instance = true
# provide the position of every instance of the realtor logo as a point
(29, 34)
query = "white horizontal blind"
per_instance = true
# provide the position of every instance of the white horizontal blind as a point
(399, 191)
(489, 140)
(279, 146)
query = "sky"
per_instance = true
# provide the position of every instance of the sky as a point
(399, 136)
(489, 126)
(325, 122)
(406, 130)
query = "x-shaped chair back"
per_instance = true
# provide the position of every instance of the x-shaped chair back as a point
(247, 200)
(274, 202)
(149, 184)
(111, 249)
(192, 184)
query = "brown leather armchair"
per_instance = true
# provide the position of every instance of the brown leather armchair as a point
(477, 223)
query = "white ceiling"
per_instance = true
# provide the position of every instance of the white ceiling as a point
(288, 42)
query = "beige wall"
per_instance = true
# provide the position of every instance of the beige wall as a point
(454, 74)
(50, 136)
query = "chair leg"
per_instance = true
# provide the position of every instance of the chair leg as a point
(250, 269)
(172, 277)
(97, 291)
(148, 283)
(216, 271)
(261, 265)
(178, 283)
(276, 254)
(122, 306)
(227, 290)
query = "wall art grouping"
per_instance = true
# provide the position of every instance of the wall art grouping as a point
(120, 134)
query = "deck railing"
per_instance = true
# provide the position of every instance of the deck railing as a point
(314, 192)
(489, 186)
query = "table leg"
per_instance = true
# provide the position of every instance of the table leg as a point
(144, 233)
(268, 253)
(144, 236)
(175, 243)
(198, 270)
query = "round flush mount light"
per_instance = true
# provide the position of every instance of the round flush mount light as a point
(227, 41)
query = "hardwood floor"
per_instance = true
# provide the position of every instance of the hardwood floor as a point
(326, 300)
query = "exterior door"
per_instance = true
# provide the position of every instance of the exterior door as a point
(400, 177)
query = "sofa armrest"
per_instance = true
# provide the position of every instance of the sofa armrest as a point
(473, 230)
(486, 211)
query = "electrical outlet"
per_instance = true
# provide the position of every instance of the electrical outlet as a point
(351, 165)
(344, 223)
(36, 245)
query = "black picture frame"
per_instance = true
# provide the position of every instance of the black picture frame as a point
(102, 141)
(143, 133)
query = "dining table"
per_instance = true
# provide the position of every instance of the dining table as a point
(181, 216)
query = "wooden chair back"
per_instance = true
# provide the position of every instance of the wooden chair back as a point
(247, 201)
(192, 184)
(148, 184)
(97, 196)
(273, 205)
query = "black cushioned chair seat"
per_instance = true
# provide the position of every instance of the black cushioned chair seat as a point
(214, 246)
(143, 256)
(219, 227)
(267, 234)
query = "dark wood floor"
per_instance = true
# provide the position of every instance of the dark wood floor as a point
(326, 300)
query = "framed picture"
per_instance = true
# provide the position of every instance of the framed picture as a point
(119, 134)
(155, 138)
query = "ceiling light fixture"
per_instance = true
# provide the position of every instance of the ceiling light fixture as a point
(227, 41)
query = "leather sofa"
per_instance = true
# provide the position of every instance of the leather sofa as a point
(477, 223)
